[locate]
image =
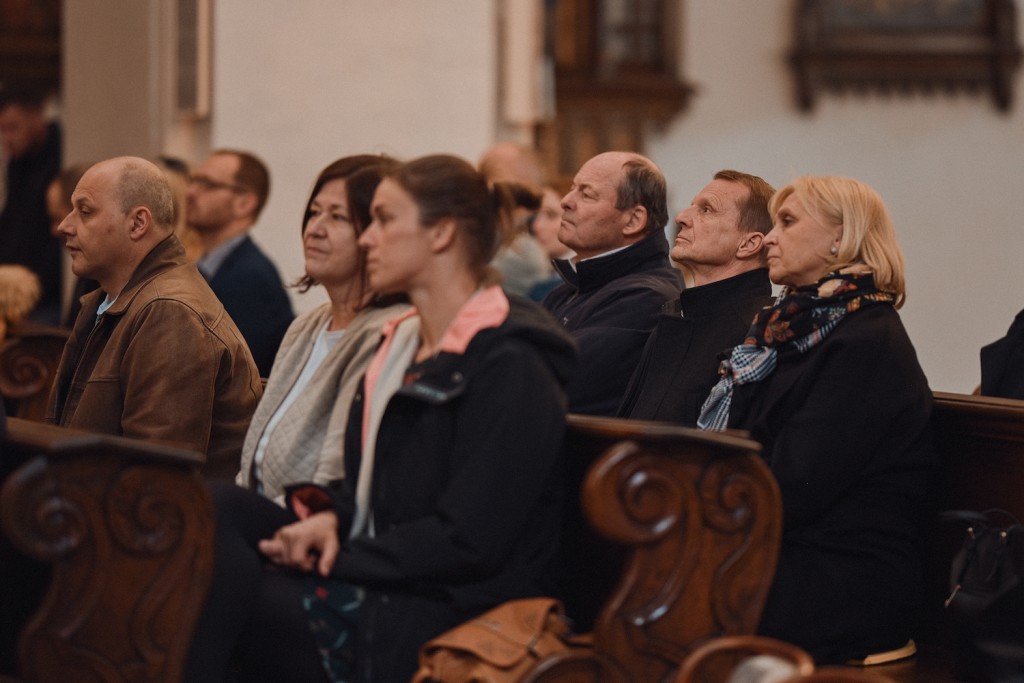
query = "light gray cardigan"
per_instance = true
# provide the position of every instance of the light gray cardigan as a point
(307, 444)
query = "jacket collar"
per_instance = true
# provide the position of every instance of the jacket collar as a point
(595, 273)
(708, 299)
(486, 308)
(167, 254)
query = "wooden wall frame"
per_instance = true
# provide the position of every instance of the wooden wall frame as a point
(905, 46)
(30, 44)
(193, 59)
(617, 69)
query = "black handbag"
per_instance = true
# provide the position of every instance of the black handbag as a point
(986, 600)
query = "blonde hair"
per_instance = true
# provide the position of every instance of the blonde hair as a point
(869, 238)
(19, 294)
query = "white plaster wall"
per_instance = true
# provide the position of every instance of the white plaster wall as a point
(304, 83)
(950, 169)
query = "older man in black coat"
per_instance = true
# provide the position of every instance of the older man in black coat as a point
(613, 218)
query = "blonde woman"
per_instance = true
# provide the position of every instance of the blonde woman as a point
(828, 381)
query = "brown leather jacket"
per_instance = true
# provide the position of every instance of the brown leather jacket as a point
(164, 362)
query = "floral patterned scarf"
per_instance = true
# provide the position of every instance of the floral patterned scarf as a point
(801, 318)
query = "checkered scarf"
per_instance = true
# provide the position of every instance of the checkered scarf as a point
(801, 318)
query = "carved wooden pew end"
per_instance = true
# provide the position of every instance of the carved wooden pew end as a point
(29, 356)
(127, 528)
(697, 518)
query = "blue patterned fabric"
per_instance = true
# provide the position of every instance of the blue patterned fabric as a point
(333, 609)
(801, 318)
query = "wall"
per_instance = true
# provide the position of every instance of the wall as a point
(111, 85)
(302, 84)
(950, 169)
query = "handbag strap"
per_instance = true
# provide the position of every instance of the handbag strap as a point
(987, 518)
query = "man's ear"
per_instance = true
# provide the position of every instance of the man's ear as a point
(245, 203)
(141, 223)
(442, 234)
(637, 222)
(751, 245)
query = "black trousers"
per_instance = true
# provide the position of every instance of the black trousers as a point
(253, 626)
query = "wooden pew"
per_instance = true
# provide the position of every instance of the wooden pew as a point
(29, 356)
(698, 518)
(126, 529)
(658, 613)
(980, 444)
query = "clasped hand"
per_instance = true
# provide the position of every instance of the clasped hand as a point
(307, 545)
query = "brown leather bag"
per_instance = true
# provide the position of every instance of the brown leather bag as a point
(497, 647)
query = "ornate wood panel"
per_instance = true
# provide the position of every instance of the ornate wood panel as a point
(28, 364)
(30, 43)
(127, 528)
(698, 517)
(905, 46)
(616, 75)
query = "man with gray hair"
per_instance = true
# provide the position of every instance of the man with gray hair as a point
(152, 355)
(613, 218)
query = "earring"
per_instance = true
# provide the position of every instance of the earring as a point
(834, 250)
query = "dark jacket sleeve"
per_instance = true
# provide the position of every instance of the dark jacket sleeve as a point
(1002, 363)
(252, 293)
(610, 347)
(846, 432)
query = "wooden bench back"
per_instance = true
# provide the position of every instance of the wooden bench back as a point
(980, 444)
(694, 520)
(665, 495)
(697, 519)
(29, 356)
(980, 440)
(127, 530)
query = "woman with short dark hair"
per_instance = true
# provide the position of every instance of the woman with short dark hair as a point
(298, 430)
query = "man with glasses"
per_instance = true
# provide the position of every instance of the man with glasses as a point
(225, 197)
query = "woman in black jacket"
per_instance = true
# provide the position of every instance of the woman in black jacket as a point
(828, 381)
(450, 501)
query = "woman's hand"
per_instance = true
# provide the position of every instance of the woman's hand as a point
(306, 545)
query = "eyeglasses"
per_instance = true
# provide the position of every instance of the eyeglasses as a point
(207, 184)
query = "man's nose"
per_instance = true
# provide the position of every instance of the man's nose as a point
(64, 227)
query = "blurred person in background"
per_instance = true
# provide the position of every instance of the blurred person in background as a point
(32, 146)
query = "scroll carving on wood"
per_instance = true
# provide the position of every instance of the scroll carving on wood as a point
(28, 361)
(130, 544)
(700, 517)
